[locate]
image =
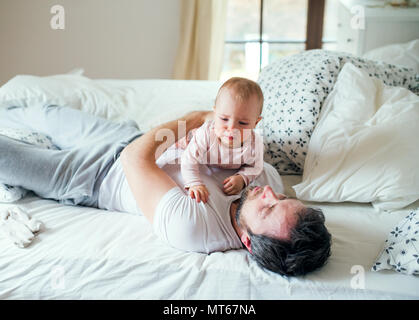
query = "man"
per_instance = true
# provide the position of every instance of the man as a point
(113, 166)
(280, 233)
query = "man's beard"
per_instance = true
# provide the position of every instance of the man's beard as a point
(242, 200)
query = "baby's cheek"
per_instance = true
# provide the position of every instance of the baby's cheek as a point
(218, 130)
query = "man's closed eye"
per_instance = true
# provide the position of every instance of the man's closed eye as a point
(268, 209)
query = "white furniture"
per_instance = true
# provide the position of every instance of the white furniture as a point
(365, 25)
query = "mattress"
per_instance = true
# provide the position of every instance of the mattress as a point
(88, 253)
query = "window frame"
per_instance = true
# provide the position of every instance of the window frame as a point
(314, 30)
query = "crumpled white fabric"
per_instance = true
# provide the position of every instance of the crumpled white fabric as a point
(17, 226)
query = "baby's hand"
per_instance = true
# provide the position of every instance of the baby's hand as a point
(233, 184)
(199, 193)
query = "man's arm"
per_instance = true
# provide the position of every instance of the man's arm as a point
(149, 183)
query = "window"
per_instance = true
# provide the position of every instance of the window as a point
(261, 31)
(330, 26)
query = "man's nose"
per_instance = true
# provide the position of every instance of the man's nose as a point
(268, 193)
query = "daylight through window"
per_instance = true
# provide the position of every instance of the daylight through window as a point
(261, 31)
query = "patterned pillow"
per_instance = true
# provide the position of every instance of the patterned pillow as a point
(401, 250)
(13, 193)
(295, 88)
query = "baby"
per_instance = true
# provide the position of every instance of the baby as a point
(228, 141)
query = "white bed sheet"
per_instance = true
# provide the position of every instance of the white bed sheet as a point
(87, 253)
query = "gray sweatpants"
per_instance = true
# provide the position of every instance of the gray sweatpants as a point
(89, 145)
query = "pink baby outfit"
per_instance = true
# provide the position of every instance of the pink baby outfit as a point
(205, 148)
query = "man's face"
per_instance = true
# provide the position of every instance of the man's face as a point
(264, 212)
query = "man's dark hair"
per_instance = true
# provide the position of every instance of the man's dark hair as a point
(308, 248)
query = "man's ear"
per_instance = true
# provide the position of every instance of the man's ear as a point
(246, 241)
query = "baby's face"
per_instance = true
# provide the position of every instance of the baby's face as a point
(234, 120)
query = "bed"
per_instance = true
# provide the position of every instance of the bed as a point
(88, 253)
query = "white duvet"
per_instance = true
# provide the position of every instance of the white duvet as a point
(86, 253)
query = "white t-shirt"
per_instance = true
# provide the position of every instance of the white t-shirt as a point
(179, 220)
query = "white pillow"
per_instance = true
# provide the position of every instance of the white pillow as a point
(295, 88)
(364, 147)
(403, 54)
(74, 90)
(401, 251)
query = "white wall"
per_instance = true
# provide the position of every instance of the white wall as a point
(128, 39)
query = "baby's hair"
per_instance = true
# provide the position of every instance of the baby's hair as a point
(243, 90)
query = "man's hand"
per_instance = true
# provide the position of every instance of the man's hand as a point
(208, 115)
(202, 115)
(199, 193)
(182, 143)
(233, 184)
